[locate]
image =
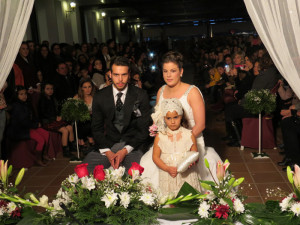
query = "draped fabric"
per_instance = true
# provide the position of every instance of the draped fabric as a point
(278, 24)
(14, 17)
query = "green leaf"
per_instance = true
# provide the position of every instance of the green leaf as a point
(9, 170)
(206, 186)
(238, 182)
(206, 163)
(231, 181)
(229, 202)
(211, 183)
(177, 213)
(186, 189)
(289, 175)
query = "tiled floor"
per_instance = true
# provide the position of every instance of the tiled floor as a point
(259, 174)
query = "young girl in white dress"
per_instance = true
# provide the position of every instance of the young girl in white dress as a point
(193, 106)
(171, 145)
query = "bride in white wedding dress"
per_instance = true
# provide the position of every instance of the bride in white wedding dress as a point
(194, 110)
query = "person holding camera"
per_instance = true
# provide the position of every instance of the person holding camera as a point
(290, 125)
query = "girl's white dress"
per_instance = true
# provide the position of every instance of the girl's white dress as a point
(151, 172)
(174, 145)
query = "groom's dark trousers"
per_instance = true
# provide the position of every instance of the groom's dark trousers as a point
(112, 133)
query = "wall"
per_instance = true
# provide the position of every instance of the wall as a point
(55, 24)
(158, 33)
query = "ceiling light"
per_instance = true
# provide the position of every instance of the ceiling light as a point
(103, 14)
(123, 21)
(72, 5)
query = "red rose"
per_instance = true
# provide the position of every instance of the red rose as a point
(99, 173)
(81, 170)
(135, 166)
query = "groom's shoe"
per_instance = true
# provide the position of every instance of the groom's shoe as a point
(291, 165)
(285, 162)
(227, 138)
(233, 143)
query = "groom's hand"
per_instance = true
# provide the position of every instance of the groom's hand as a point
(111, 158)
(119, 157)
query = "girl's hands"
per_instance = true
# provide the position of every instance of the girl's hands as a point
(172, 171)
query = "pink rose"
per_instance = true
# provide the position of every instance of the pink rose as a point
(99, 173)
(135, 166)
(81, 170)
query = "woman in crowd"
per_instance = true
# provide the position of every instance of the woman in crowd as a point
(45, 63)
(24, 126)
(51, 119)
(86, 92)
(97, 74)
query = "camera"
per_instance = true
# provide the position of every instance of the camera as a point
(227, 68)
(153, 68)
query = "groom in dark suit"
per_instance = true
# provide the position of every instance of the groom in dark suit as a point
(120, 121)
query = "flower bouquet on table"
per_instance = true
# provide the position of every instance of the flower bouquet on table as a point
(106, 197)
(286, 211)
(222, 202)
(12, 207)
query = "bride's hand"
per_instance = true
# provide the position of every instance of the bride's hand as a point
(172, 171)
(193, 164)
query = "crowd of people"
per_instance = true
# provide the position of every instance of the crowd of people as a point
(228, 69)
(44, 76)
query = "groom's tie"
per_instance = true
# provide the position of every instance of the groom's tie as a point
(119, 103)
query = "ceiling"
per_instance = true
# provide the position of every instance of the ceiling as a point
(170, 12)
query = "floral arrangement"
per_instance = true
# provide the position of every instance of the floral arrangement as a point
(153, 129)
(106, 196)
(257, 101)
(291, 203)
(222, 200)
(75, 110)
(11, 209)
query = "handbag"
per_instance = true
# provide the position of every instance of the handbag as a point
(184, 164)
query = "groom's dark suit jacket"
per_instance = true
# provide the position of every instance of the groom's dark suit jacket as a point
(136, 118)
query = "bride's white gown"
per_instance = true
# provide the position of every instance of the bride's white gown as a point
(151, 170)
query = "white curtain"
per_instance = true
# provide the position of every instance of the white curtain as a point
(278, 24)
(14, 17)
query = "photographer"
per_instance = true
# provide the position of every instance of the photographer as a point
(108, 80)
(290, 126)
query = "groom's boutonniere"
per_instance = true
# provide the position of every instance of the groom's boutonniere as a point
(136, 110)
